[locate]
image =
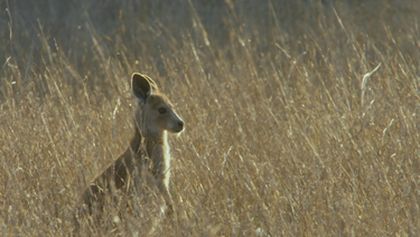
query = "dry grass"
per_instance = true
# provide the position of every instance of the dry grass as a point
(279, 139)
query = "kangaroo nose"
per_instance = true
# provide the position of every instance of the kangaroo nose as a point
(181, 124)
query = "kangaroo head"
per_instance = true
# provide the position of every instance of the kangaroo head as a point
(154, 113)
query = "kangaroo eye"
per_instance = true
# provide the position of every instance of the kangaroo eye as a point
(162, 110)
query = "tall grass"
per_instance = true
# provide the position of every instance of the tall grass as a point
(291, 128)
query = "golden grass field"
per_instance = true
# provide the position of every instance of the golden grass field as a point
(289, 129)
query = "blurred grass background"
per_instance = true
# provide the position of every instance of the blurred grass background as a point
(279, 139)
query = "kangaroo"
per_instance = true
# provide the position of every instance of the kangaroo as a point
(148, 151)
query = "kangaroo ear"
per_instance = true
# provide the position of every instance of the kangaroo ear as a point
(141, 86)
(152, 83)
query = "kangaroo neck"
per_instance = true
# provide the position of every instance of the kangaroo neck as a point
(156, 146)
(135, 142)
